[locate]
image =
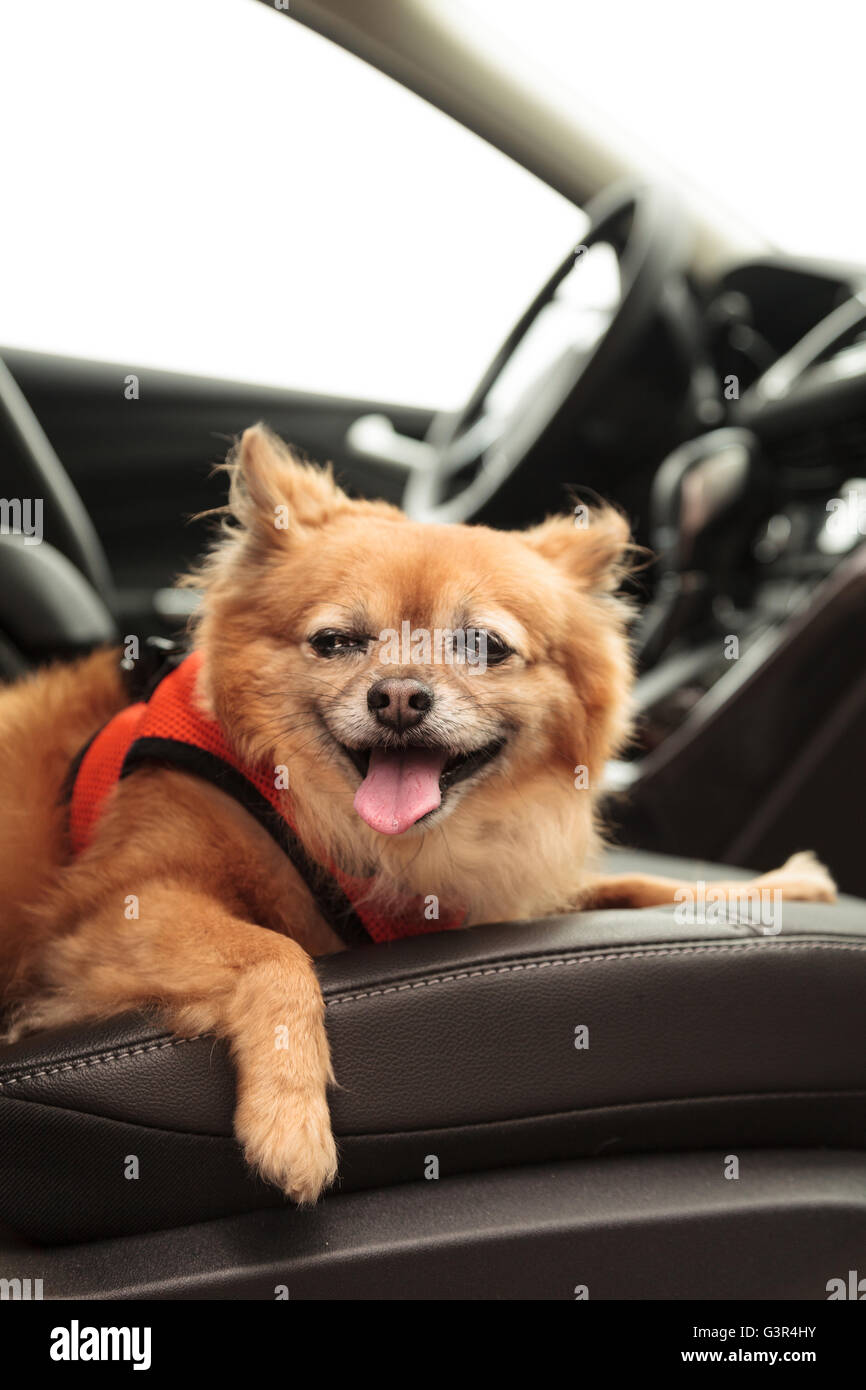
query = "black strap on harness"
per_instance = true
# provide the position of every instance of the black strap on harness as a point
(327, 894)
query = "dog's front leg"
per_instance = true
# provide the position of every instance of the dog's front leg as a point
(208, 970)
(801, 879)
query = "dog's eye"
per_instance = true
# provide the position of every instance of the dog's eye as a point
(329, 642)
(482, 645)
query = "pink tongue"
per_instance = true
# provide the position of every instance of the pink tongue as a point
(399, 788)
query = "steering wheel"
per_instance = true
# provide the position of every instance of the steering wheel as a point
(642, 227)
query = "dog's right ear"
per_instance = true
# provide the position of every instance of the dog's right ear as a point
(593, 546)
(273, 493)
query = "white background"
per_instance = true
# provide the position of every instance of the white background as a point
(209, 187)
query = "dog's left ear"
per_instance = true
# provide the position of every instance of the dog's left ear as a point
(593, 546)
(272, 491)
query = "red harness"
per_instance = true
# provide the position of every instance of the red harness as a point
(168, 729)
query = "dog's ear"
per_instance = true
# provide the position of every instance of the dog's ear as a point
(273, 492)
(593, 546)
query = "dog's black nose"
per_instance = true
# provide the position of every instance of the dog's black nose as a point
(401, 704)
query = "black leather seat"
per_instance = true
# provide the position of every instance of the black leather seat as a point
(456, 1055)
(47, 607)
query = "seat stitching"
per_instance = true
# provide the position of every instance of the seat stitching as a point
(99, 1059)
(583, 959)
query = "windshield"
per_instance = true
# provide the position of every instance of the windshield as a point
(215, 189)
(758, 106)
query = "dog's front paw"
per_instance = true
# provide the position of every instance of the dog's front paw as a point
(802, 878)
(290, 1144)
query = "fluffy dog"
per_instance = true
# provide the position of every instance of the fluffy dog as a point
(442, 773)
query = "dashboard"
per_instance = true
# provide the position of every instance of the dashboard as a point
(752, 702)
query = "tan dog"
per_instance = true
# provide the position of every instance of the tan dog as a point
(443, 778)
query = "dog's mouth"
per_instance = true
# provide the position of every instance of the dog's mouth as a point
(402, 786)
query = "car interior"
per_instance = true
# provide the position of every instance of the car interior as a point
(484, 1154)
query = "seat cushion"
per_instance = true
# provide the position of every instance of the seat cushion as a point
(590, 1034)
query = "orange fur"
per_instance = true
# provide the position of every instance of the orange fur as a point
(226, 930)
